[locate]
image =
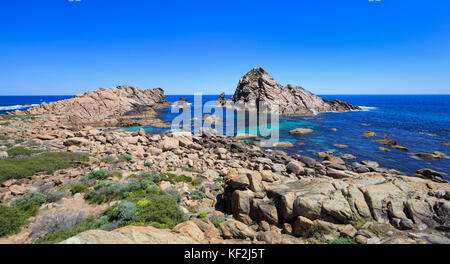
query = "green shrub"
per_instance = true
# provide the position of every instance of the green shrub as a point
(154, 177)
(50, 161)
(10, 220)
(125, 211)
(125, 157)
(104, 191)
(218, 180)
(316, 232)
(109, 159)
(9, 116)
(28, 205)
(189, 169)
(94, 197)
(202, 215)
(174, 194)
(148, 164)
(2, 137)
(217, 220)
(18, 140)
(343, 240)
(117, 174)
(16, 151)
(13, 217)
(63, 234)
(183, 178)
(78, 188)
(161, 211)
(97, 175)
(142, 202)
(197, 194)
(196, 181)
(169, 177)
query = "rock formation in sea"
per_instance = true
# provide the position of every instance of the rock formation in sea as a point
(258, 86)
(107, 106)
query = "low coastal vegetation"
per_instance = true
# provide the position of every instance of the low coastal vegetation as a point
(16, 215)
(140, 201)
(21, 167)
(21, 151)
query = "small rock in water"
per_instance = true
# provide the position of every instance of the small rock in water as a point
(368, 134)
(432, 155)
(386, 141)
(400, 147)
(301, 131)
(370, 163)
(347, 156)
(384, 149)
(283, 145)
(340, 145)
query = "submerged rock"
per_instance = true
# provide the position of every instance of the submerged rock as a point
(301, 131)
(432, 155)
(399, 147)
(386, 141)
(368, 134)
(286, 144)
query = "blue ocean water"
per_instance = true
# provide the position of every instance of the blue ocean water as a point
(12, 103)
(418, 122)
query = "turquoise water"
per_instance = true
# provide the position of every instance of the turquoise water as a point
(418, 122)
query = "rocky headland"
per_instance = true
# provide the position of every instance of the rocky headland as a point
(120, 106)
(258, 87)
(72, 182)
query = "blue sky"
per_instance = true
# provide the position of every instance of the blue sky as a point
(329, 47)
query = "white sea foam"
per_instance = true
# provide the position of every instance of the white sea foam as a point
(16, 107)
(367, 108)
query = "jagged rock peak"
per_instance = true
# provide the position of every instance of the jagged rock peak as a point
(258, 86)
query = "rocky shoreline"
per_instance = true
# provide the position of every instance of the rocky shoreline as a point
(68, 174)
(243, 194)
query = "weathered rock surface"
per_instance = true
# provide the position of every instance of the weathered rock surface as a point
(130, 235)
(258, 86)
(99, 106)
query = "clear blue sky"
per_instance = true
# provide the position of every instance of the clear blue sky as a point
(329, 47)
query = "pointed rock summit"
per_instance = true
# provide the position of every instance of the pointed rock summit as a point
(258, 86)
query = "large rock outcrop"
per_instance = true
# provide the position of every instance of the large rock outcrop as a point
(104, 106)
(258, 86)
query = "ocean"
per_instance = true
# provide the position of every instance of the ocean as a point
(418, 122)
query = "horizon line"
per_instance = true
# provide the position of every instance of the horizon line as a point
(232, 94)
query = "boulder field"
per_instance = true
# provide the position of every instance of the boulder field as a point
(261, 196)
